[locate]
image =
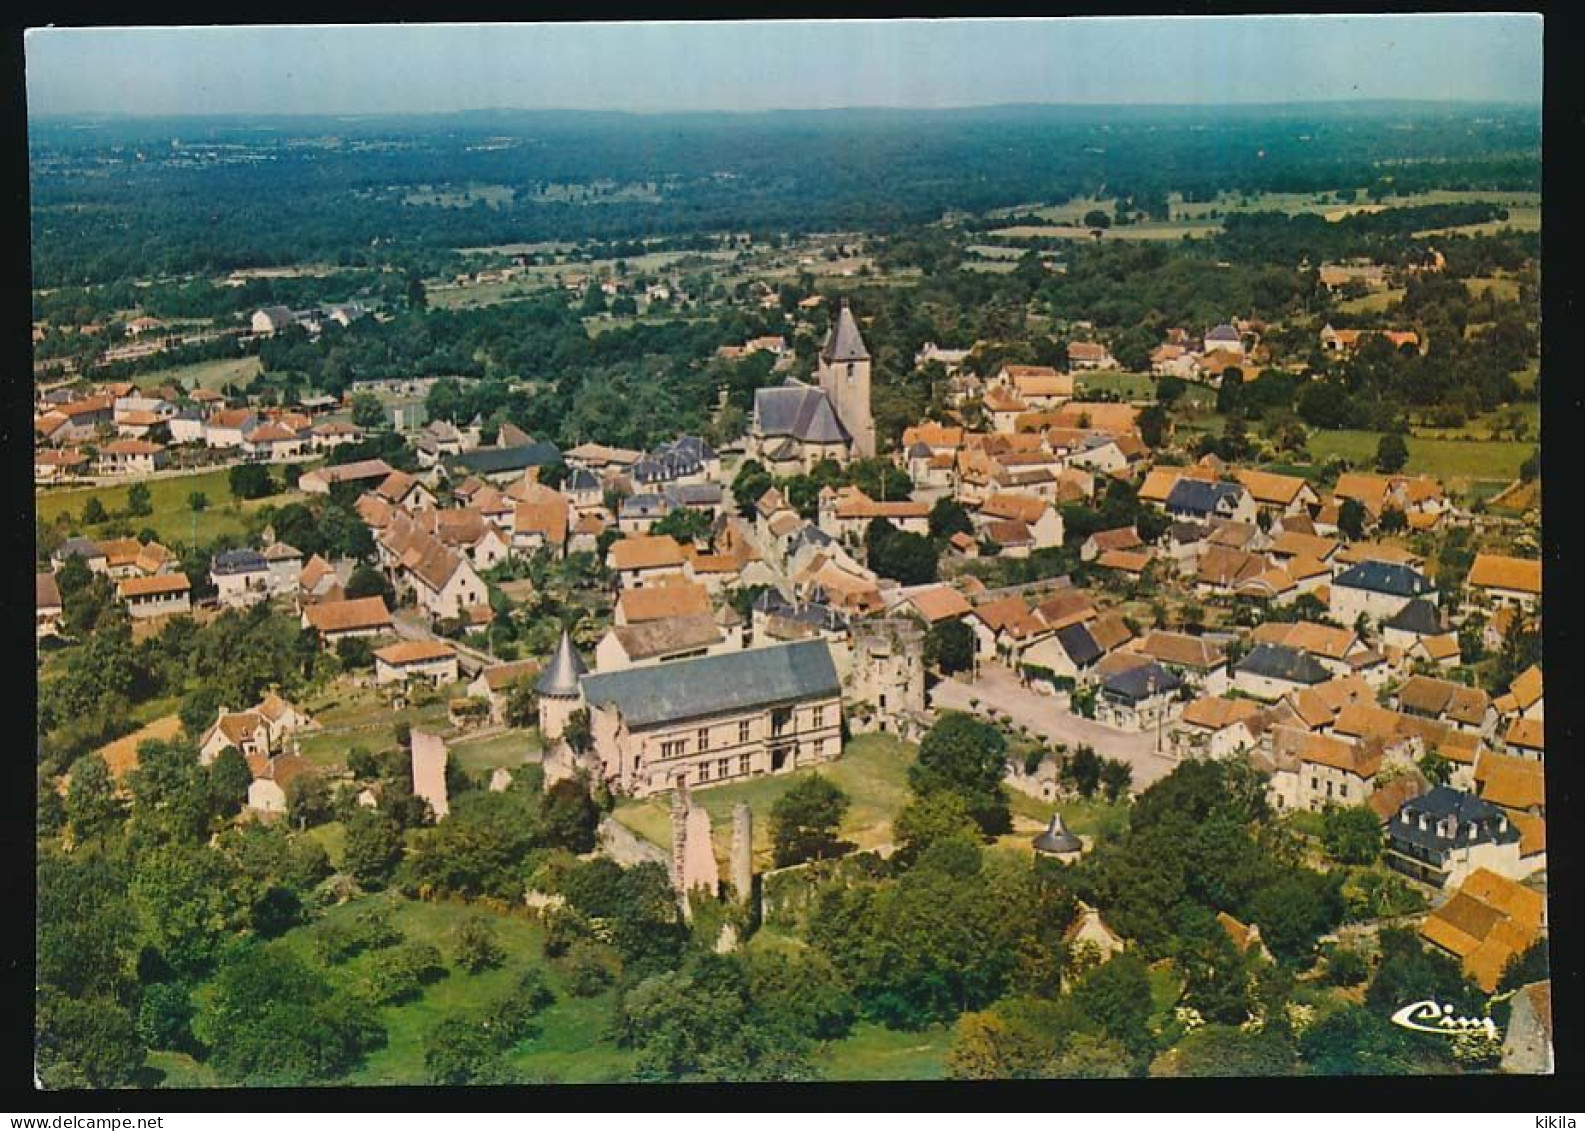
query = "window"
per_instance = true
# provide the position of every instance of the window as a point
(742, 731)
(721, 767)
(820, 715)
(704, 771)
(742, 764)
(1329, 789)
(704, 738)
(1315, 783)
(1342, 791)
(674, 748)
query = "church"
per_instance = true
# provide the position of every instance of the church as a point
(797, 425)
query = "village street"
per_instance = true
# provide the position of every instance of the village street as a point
(999, 690)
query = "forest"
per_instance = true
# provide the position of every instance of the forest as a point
(208, 196)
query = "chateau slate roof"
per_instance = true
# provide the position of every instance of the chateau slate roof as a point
(714, 685)
(1138, 683)
(231, 562)
(1419, 616)
(1197, 496)
(493, 461)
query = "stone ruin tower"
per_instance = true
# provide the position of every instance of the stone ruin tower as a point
(692, 849)
(743, 853)
(560, 693)
(888, 673)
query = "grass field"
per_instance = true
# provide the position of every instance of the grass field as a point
(1521, 218)
(1441, 458)
(212, 375)
(1170, 230)
(1377, 303)
(1507, 290)
(172, 520)
(359, 716)
(873, 772)
(1131, 386)
(480, 756)
(873, 1052)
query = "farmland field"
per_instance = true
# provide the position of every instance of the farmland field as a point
(1444, 459)
(172, 519)
(1378, 302)
(213, 375)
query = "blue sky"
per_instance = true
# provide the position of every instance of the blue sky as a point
(783, 65)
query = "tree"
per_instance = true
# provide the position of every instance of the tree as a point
(367, 412)
(1153, 422)
(570, 815)
(949, 517)
(522, 704)
(460, 1051)
(911, 559)
(1392, 453)
(1169, 390)
(1351, 835)
(139, 501)
(1095, 218)
(1116, 996)
(229, 779)
(576, 732)
(165, 1016)
(94, 511)
(476, 947)
(685, 524)
(417, 296)
(92, 808)
(804, 821)
(250, 481)
(930, 818)
(949, 647)
(1116, 777)
(1082, 770)
(308, 801)
(963, 755)
(373, 847)
(270, 1018)
(355, 653)
(1351, 517)
(86, 1043)
(366, 581)
(1228, 390)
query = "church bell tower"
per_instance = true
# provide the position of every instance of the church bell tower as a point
(845, 378)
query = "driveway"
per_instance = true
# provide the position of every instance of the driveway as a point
(998, 689)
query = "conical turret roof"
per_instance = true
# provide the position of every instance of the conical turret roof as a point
(844, 342)
(560, 677)
(1057, 840)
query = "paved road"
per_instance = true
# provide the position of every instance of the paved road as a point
(998, 688)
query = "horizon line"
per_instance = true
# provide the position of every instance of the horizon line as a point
(125, 115)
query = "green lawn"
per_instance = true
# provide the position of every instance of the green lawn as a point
(873, 772)
(213, 375)
(873, 1052)
(1130, 386)
(332, 837)
(1442, 458)
(359, 716)
(172, 520)
(1378, 302)
(509, 748)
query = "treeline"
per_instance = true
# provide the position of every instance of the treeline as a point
(796, 173)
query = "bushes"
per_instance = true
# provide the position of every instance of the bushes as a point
(475, 947)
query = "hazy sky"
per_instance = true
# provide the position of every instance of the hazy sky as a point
(771, 65)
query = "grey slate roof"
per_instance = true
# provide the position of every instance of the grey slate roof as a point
(715, 685)
(823, 617)
(646, 505)
(1385, 577)
(1464, 811)
(693, 494)
(582, 479)
(1419, 616)
(844, 342)
(1197, 497)
(493, 461)
(1278, 661)
(1140, 683)
(1187, 533)
(78, 547)
(1222, 333)
(800, 411)
(1079, 644)
(1057, 838)
(561, 675)
(230, 562)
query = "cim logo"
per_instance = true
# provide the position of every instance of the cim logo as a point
(1429, 1017)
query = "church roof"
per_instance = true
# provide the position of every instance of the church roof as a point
(800, 411)
(844, 342)
(1057, 839)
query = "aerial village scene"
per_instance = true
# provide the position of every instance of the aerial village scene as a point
(526, 599)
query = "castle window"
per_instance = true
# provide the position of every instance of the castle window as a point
(820, 717)
(742, 731)
(742, 764)
(850, 373)
(722, 768)
(704, 771)
(673, 749)
(704, 738)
